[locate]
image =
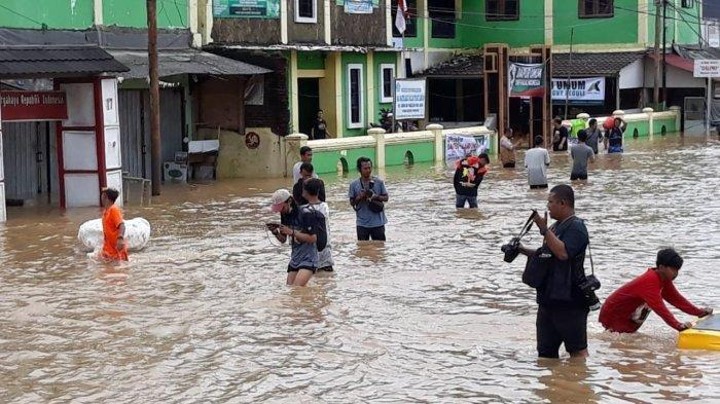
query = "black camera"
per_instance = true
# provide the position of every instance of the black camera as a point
(511, 249)
(588, 288)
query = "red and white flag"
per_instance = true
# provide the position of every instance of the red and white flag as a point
(400, 16)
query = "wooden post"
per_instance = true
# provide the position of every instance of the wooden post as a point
(155, 142)
(531, 141)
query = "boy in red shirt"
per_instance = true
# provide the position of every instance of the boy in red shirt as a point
(626, 309)
(114, 248)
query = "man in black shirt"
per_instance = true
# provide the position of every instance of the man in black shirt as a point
(562, 307)
(560, 135)
(468, 176)
(306, 172)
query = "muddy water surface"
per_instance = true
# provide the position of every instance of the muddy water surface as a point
(434, 315)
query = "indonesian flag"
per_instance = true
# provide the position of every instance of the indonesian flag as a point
(400, 16)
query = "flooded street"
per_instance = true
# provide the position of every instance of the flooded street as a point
(434, 315)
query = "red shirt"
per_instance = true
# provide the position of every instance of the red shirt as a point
(647, 290)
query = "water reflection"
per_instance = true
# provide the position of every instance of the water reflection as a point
(432, 315)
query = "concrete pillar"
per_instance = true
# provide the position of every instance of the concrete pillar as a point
(436, 130)
(293, 143)
(3, 216)
(677, 110)
(379, 135)
(651, 126)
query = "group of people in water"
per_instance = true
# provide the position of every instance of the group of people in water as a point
(557, 266)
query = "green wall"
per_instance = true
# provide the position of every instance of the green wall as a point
(132, 13)
(55, 14)
(475, 31)
(326, 161)
(380, 59)
(353, 58)
(421, 153)
(311, 60)
(622, 28)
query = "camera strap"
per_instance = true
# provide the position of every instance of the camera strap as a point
(592, 267)
(526, 227)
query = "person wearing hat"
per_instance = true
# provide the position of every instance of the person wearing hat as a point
(626, 309)
(468, 176)
(300, 231)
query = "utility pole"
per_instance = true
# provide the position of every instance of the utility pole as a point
(658, 21)
(664, 71)
(155, 144)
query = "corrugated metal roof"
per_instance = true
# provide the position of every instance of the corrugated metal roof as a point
(592, 64)
(183, 61)
(459, 66)
(56, 61)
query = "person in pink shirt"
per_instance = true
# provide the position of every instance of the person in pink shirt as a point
(626, 309)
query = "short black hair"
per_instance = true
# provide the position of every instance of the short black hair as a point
(362, 160)
(669, 257)
(592, 121)
(538, 140)
(112, 194)
(305, 149)
(582, 135)
(557, 120)
(564, 193)
(307, 167)
(313, 186)
(484, 156)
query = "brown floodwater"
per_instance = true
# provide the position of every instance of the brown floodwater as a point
(433, 315)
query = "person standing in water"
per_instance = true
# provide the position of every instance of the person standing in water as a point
(614, 137)
(537, 161)
(114, 248)
(581, 153)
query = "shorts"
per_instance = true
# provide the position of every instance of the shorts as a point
(366, 233)
(556, 326)
(328, 268)
(509, 165)
(294, 269)
(542, 186)
(615, 149)
(574, 176)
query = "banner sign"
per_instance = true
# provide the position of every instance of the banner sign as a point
(246, 8)
(409, 99)
(590, 89)
(706, 68)
(459, 146)
(526, 79)
(358, 7)
(33, 105)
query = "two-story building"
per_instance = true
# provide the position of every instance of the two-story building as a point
(609, 40)
(329, 55)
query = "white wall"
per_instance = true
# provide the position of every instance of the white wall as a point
(676, 78)
(631, 76)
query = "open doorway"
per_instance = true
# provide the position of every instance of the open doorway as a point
(308, 103)
(30, 164)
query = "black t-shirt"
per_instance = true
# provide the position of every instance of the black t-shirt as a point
(615, 137)
(320, 129)
(560, 133)
(561, 287)
(297, 192)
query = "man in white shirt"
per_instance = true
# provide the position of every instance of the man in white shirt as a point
(537, 161)
(305, 157)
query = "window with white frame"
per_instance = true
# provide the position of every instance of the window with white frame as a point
(387, 77)
(355, 96)
(306, 11)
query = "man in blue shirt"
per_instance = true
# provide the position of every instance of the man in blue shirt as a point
(368, 196)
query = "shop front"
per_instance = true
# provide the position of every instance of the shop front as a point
(59, 125)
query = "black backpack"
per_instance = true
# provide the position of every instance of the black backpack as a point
(314, 221)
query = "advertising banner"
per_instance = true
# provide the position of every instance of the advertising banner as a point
(526, 79)
(33, 105)
(588, 90)
(410, 99)
(459, 146)
(246, 8)
(358, 6)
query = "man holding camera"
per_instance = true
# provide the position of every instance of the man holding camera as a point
(562, 305)
(626, 309)
(368, 196)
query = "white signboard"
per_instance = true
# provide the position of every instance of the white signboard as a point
(409, 99)
(707, 68)
(588, 89)
(457, 147)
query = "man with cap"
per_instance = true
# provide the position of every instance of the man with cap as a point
(300, 230)
(626, 309)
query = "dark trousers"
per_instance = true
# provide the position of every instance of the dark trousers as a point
(556, 326)
(366, 233)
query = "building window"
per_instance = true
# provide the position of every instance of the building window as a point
(306, 11)
(410, 21)
(442, 18)
(595, 8)
(387, 78)
(502, 10)
(355, 96)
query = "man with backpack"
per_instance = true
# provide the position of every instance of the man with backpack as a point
(304, 227)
